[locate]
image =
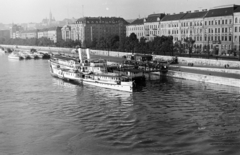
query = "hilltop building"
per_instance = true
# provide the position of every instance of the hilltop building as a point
(50, 21)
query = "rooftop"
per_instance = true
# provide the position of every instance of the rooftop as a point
(225, 10)
(99, 20)
(173, 17)
(194, 15)
(155, 17)
(137, 22)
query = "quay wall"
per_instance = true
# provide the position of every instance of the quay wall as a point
(203, 78)
(181, 60)
(222, 70)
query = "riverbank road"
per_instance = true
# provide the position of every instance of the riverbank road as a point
(207, 70)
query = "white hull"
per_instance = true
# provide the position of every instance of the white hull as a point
(124, 86)
(15, 57)
(108, 85)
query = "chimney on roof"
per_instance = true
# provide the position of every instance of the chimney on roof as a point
(196, 10)
(181, 12)
(204, 9)
(188, 11)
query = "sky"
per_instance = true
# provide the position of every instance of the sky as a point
(26, 11)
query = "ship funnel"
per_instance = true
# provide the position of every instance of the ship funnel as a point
(80, 54)
(87, 52)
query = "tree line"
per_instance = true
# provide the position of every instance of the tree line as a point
(159, 45)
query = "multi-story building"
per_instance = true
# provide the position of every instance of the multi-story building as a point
(87, 29)
(218, 29)
(152, 25)
(15, 31)
(54, 33)
(214, 30)
(171, 26)
(42, 33)
(136, 27)
(236, 29)
(5, 34)
(28, 34)
(66, 32)
(191, 25)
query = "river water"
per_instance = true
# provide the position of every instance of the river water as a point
(42, 115)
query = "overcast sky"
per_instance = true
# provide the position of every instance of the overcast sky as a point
(25, 11)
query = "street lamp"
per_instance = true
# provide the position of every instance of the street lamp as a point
(207, 44)
(239, 49)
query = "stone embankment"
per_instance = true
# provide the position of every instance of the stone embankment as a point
(203, 70)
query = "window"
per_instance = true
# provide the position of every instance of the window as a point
(222, 38)
(236, 20)
(230, 38)
(225, 29)
(225, 38)
(222, 30)
(222, 21)
(226, 21)
(235, 29)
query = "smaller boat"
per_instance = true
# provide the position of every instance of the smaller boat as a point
(24, 55)
(2, 52)
(30, 54)
(15, 55)
(38, 55)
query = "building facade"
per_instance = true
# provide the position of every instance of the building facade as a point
(136, 27)
(236, 29)
(87, 29)
(5, 34)
(191, 25)
(28, 34)
(15, 31)
(152, 26)
(218, 30)
(54, 33)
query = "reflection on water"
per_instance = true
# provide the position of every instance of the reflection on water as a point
(40, 114)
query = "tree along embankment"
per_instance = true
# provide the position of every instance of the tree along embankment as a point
(181, 60)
